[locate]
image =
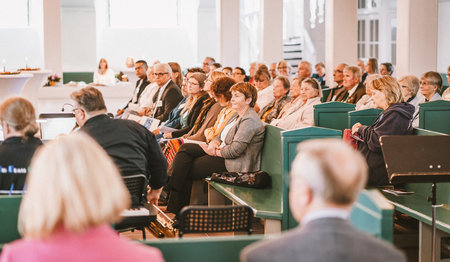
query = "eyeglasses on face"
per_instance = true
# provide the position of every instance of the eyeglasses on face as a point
(160, 74)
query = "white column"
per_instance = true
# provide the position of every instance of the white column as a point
(417, 27)
(228, 25)
(341, 29)
(271, 19)
(52, 36)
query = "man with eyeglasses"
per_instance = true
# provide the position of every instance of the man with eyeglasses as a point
(338, 76)
(207, 64)
(141, 72)
(273, 70)
(168, 95)
(131, 146)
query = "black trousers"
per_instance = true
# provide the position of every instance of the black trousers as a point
(190, 163)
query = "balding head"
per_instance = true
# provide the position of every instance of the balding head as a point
(304, 69)
(325, 173)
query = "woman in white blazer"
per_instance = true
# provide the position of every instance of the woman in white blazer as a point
(310, 93)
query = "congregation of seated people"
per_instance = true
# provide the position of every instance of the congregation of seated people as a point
(210, 119)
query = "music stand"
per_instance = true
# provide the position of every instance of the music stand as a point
(427, 161)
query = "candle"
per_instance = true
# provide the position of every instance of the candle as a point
(26, 62)
(4, 65)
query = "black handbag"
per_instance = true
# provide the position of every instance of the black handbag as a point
(258, 179)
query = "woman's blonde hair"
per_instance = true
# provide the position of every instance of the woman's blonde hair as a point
(19, 114)
(390, 87)
(73, 185)
(216, 74)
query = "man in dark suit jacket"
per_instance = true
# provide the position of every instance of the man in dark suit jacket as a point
(338, 76)
(141, 84)
(326, 178)
(353, 87)
(169, 94)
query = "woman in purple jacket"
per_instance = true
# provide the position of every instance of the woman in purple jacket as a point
(394, 120)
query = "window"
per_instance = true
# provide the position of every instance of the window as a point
(361, 38)
(394, 40)
(249, 28)
(143, 13)
(368, 38)
(14, 13)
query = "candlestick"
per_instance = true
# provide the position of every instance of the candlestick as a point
(26, 62)
(4, 65)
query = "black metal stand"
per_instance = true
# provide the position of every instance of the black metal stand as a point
(434, 207)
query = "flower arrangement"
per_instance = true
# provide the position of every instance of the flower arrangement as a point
(52, 80)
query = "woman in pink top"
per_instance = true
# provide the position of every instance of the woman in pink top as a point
(74, 192)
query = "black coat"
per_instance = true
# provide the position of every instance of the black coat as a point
(395, 120)
(15, 158)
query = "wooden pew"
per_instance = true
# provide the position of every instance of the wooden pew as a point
(374, 214)
(271, 204)
(365, 117)
(9, 211)
(217, 249)
(435, 116)
(332, 115)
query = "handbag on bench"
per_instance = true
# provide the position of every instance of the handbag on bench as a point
(258, 179)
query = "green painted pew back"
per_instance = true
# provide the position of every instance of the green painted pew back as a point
(435, 116)
(290, 140)
(332, 115)
(325, 92)
(365, 117)
(373, 214)
(217, 249)
(9, 211)
(87, 77)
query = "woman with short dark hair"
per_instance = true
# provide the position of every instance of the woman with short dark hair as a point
(236, 149)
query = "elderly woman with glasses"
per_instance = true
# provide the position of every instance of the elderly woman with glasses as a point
(18, 120)
(430, 86)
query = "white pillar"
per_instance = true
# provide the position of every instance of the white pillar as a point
(417, 27)
(52, 36)
(341, 31)
(271, 31)
(228, 24)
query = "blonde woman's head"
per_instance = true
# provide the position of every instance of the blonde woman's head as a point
(73, 185)
(18, 113)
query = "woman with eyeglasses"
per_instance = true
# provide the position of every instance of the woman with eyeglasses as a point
(18, 121)
(430, 86)
(210, 110)
(193, 106)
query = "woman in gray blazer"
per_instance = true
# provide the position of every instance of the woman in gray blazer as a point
(236, 149)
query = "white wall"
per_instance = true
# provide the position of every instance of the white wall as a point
(443, 59)
(208, 35)
(78, 39)
(18, 43)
